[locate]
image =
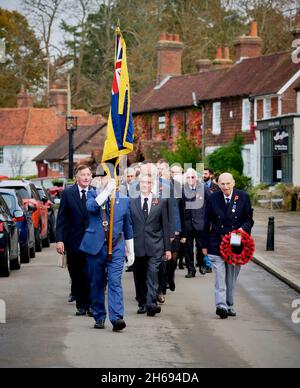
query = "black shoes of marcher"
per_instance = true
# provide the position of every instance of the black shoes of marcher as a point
(152, 312)
(142, 310)
(71, 298)
(119, 325)
(202, 270)
(99, 325)
(172, 286)
(90, 313)
(222, 313)
(81, 312)
(190, 275)
(231, 312)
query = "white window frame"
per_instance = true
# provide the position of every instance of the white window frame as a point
(216, 127)
(54, 166)
(246, 118)
(162, 122)
(267, 108)
(1, 155)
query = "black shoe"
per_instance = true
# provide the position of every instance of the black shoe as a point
(81, 312)
(90, 313)
(71, 298)
(142, 310)
(231, 312)
(172, 286)
(119, 325)
(99, 325)
(181, 266)
(208, 270)
(202, 270)
(190, 275)
(152, 312)
(222, 313)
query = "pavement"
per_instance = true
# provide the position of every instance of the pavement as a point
(43, 331)
(284, 261)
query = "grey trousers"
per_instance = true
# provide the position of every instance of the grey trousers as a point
(225, 281)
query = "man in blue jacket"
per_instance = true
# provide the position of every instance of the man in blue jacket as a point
(103, 270)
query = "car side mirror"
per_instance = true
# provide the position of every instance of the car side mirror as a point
(44, 200)
(31, 208)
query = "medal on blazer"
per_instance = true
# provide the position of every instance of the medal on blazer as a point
(236, 198)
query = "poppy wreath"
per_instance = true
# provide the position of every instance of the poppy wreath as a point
(244, 256)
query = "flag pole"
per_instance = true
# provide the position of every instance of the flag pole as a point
(112, 216)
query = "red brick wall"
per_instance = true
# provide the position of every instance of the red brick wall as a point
(274, 106)
(229, 125)
(289, 101)
(260, 109)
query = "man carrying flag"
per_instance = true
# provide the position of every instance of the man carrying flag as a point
(110, 228)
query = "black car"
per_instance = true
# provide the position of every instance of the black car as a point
(10, 257)
(25, 225)
(51, 211)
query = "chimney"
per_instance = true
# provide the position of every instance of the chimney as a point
(248, 46)
(58, 98)
(222, 61)
(169, 53)
(296, 29)
(24, 100)
(203, 65)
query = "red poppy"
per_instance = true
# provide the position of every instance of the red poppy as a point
(236, 198)
(234, 258)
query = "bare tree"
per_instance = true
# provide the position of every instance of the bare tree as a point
(17, 161)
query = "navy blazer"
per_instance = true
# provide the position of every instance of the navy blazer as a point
(72, 219)
(94, 238)
(220, 219)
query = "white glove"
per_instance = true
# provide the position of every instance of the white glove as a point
(102, 197)
(130, 253)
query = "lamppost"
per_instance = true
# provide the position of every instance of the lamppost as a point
(71, 127)
(2, 51)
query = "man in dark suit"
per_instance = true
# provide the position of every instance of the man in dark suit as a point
(227, 210)
(195, 195)
(208, 175)
(151, 242)
(72, 220)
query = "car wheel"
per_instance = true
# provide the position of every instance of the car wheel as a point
(38, 241)
(25, 254)
(46, 241)
(16, 263)
(5, 263)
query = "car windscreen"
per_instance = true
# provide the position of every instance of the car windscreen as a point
(10, 201)
(22, 191)
(41, 193)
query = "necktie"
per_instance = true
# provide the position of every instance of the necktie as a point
(145, 208)
(83, 198)
(227, 201)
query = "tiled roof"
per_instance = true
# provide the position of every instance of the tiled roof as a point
(59, 150)
(252, 76)
(33, 126)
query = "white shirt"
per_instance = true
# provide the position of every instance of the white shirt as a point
(80, 190)
(150, 196)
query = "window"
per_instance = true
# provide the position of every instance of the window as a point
(54, 166)
(162, 122)
(267, 108)
(1, 155)
(216, 118)
(246, 122)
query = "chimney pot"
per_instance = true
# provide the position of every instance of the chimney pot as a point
(176, 38)
(163, 36)
(219, 54)
(253, 29)
(226, 52)
(169, 37)
(298, 19)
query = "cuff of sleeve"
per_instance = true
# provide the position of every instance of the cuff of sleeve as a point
(129, 246)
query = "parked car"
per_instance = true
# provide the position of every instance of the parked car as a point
(54, 186)
(9, 240)
(24, 222)
(30, 196)
(51, 211)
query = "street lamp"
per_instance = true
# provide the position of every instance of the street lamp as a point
(2, 51)
(71, 127)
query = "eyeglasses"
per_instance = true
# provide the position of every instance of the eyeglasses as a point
(191, 177)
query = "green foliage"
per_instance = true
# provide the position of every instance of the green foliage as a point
(24, 59)
(228, 158)
(242, 182)
(186, 151)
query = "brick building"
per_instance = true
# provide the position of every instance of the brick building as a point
(225, 97)
(26, 131)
